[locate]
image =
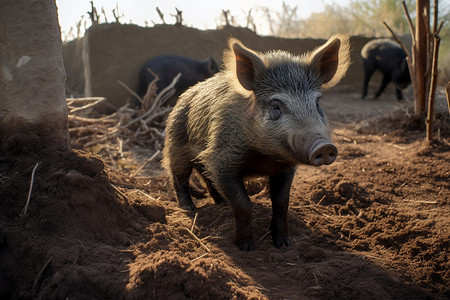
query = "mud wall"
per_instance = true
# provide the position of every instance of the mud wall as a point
(112, 52)
(72, 52)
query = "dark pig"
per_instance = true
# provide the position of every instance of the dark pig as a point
(390, 59)
(168, 66)
(258, 116)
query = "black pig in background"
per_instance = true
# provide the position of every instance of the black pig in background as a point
(166, 67)
(389, 58)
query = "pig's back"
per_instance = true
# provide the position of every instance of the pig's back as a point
(207, 105)
(380, 47)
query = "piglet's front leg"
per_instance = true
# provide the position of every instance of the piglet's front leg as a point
(280, 186)
(233, 189)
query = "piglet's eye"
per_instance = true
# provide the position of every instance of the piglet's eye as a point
(275, 110)
(322, 114)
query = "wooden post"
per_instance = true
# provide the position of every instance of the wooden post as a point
(422, 10)
(430, 116)
(434, 72)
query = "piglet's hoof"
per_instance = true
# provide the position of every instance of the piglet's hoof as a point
(279, 241)
(245, 245)
(188, 206)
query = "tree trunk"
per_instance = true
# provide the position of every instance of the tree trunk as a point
(421, 54)
(32, 75)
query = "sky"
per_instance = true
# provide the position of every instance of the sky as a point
(202, 14)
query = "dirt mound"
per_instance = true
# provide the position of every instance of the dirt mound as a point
(399, 123)
(72, 211)
(165, 268)
(402, 123)
(81, 237)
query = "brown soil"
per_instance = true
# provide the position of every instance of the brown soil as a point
(373, 225)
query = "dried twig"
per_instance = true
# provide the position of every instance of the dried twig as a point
(147, 195)
(130, 91)
(120, 143)
(38, 277)
(71, 101)
(411, 27)
(266, 234)
(145, 163)
(320, 201)
(130, 123)
(151, 90)
(120, 193)
(94, 101)
(93, 14)
(198, 240)
(24, 211)
(432, 91)
(155, 104)
(193, 222)
(106, 119)
(126, 127)
(201, 256)
(178, 17)
(397, 39)
(225, 14)
(161, 15)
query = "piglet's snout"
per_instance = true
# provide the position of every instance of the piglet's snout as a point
(322, 152)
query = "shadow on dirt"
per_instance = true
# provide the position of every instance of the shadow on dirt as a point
(68, 240)
(313, 266)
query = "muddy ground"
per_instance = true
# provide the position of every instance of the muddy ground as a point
(373, 225)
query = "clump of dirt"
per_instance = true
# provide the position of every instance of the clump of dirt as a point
(165, 267)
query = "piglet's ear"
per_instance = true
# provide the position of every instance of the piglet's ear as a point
(331, 60)
(243, 63)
